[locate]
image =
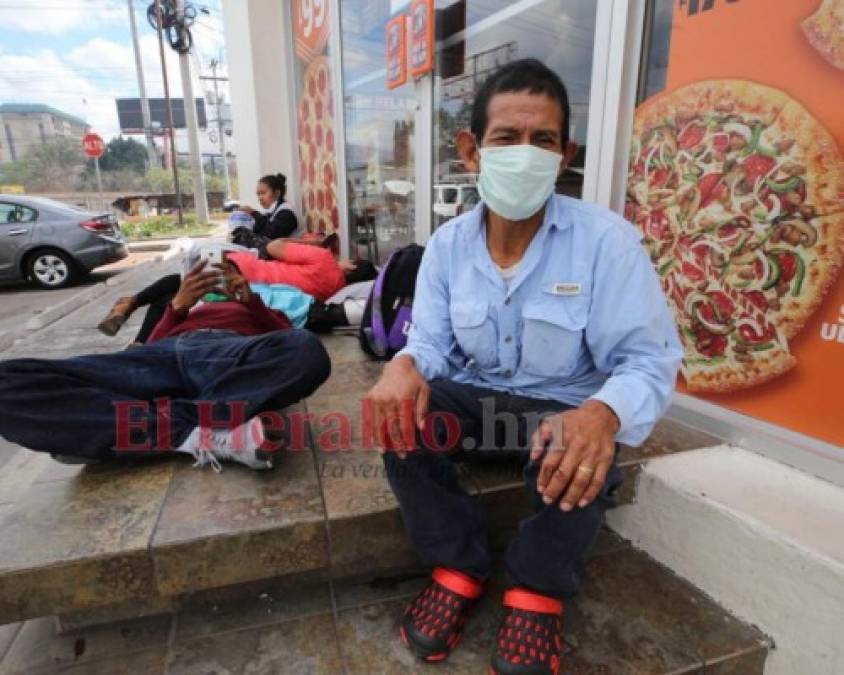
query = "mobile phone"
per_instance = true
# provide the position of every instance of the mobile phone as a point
(213, 255)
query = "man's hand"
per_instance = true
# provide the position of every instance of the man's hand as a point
(196, 284)
(579, 447)
(399, 400)
(236, 286)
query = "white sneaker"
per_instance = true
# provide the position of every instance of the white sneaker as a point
(238, 445)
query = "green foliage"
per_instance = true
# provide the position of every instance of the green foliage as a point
(55, 165)
(162, 226)
(14, 173)
(159, 180)
(124, 154)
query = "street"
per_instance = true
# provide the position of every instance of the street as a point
(20, 300)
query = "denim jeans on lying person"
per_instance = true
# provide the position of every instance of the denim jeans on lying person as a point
(447, 525)
(70, 406)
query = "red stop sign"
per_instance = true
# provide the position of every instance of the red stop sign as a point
(93, 145)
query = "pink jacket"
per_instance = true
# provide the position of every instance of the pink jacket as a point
(309, 268)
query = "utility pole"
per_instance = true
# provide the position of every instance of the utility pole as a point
(99, 181)
(171, 135)
(220, 131)
(200, 199)
(152, 154)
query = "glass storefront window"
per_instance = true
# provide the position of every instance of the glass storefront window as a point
(478, 36)
(379, 136)
(656, 43)
(474, 37)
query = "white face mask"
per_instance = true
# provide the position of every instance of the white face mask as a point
(516, 180)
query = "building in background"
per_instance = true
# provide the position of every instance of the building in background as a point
(26, 126)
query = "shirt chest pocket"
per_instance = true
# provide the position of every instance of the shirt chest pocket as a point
(552, 335)
(475, 332)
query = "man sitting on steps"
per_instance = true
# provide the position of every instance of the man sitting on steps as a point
(198, 386)
(539, 326)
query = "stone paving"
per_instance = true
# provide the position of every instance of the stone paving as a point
(302, 569)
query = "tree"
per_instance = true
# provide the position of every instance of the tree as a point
(14, 173)
(55, 165)
(124, 154)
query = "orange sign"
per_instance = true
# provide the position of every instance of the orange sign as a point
(311, 20)
(421, 37)
(395, 34)
(772, 59)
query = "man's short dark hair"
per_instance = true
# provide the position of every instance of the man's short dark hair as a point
(528, 75)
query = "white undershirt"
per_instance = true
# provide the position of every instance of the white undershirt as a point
(508, 273)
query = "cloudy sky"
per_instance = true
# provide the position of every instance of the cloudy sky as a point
(76, 55)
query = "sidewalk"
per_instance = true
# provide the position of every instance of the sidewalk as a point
(164, 243)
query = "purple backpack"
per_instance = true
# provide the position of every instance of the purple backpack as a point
(388, 313)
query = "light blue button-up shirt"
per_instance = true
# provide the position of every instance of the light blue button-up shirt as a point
(584, 317)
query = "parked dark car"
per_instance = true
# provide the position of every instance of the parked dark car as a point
(53, 243)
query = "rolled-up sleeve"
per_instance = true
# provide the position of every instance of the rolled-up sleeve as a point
(431, 340)
(632, 337)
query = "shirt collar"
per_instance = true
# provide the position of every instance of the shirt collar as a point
(556, 217)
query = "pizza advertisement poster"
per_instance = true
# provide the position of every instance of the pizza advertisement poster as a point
(395, 38)
(310, 20)
(421, 37)
(317, 155)
(736, 180)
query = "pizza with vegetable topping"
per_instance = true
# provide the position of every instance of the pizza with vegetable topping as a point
(739, 193)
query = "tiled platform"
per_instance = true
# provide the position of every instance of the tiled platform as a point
(94, 543)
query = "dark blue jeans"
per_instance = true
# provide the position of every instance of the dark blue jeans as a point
(447, 525)
(69, 406)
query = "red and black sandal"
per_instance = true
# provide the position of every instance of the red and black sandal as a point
(528, 641)
(432, 623)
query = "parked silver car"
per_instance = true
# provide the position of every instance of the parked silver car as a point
(53, 243)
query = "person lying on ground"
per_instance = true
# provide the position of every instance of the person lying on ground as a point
(311, 269)
(198, 386)
(303, 272)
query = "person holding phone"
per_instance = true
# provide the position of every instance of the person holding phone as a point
(198, 386)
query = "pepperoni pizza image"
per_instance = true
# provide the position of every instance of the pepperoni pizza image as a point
(825, 31)
(739, 193)
(317, 164)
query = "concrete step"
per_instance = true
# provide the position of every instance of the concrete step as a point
(633, 617)
(762, 538)
(94, 544)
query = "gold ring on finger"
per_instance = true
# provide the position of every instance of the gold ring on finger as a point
(586, 469)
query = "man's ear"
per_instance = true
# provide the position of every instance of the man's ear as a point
(467, 149)
(568, 154)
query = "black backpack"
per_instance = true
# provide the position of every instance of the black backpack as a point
(388, 313)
